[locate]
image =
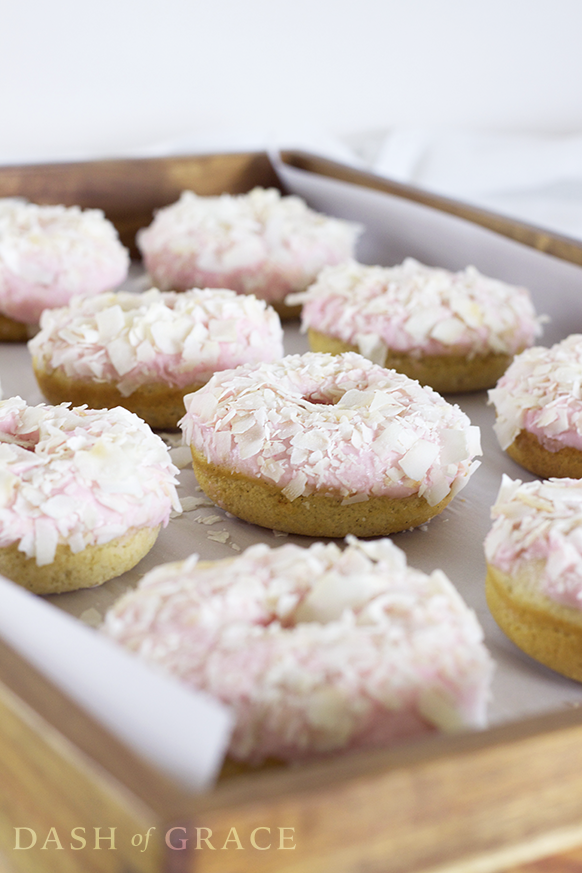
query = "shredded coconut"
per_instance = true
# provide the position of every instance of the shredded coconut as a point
(338, 423)
(209, 519)
(78, 476)
(50, 253)
(540, 521)
(218, 536)
(189, 503)
(132, 340)
(257, 243)
(412, 308)
(541, 392)
(316, 649)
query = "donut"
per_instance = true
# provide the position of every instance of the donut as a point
(327, 445)
(146, 351)
(259, 243)
(534, 569)
(83, 494)
(456, 332)
(538, 405)
(48, 254)
(316, 650)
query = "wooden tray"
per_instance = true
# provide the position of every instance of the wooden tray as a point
(475, 802)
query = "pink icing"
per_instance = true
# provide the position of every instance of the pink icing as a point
(340, 423)
(316, 649)
(258, 243)
(50, 253)
(132, 340)
(78, 476)
(541, 392)
(540, 521)
(412, 308)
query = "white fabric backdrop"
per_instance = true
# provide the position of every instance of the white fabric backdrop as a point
(478, 100)
(80, 78)
(533, 177)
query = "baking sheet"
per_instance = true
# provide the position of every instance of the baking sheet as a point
(453, 541)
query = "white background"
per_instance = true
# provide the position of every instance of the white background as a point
(113, 77)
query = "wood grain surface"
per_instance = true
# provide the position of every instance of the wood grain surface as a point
(568, 862)
(479, 801)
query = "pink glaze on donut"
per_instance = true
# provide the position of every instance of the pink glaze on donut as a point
(50, 253)
(540, 521)
(340, 423)
(541, 392)
(412, 308)
(317, 650)
(132, 340)
(258, 243)
(78, 476)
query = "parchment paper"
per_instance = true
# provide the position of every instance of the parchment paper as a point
(453, 541)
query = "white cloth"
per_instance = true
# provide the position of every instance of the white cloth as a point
(534, 178)
(537, 179)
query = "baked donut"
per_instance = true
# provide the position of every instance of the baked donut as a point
(538, 405)
(316, 650)
(257, 243)
(453, 331)
(327, 445)
(83, 494)
(146, 351)
(534, 570)
(48, 254)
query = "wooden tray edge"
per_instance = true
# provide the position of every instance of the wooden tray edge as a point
(542, 239)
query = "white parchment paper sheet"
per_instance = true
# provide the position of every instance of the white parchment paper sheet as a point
(395, 229)
(100, 676)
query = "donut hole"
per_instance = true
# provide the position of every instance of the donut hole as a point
(319, 399)
(335, 396)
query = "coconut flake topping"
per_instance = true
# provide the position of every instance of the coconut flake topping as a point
(316, 649)
(338, 423)
(540, 521)
(413, 308)
(50, 253)
(541, 392)
(257, 243)
(133, 340)
(79, 476)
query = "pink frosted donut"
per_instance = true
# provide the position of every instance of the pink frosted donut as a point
(453, 331)
(538, 405)
(50, 253)
(258, 243)
(327, 445)
(316, 650)
(534, 569)
(83, 494)
(146, 351)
